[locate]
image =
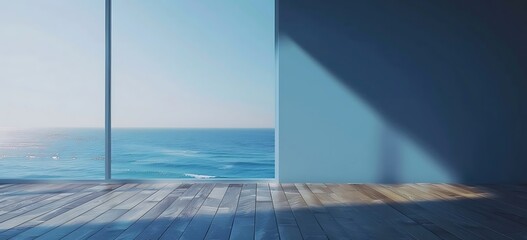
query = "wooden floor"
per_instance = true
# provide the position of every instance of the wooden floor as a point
(262, 211)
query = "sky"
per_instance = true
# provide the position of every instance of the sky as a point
(176, 63)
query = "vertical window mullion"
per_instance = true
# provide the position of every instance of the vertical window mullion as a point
(108, 81)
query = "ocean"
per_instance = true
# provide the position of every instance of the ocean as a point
(137, 153)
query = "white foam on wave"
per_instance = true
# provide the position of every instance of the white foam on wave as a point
(226, 167)
(180, 153)
(197, 176)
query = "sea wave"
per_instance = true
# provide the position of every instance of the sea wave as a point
(176, 152)
(137, 154)
(179, 153)
(197, 176)
(226, 166)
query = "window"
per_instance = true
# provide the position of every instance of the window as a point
(193, 89)
(52, 100)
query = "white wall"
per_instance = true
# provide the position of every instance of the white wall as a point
(329, 134)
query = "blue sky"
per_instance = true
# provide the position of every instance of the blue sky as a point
(181, 63)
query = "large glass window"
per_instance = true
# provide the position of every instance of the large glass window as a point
(193, 89)
(52, 89)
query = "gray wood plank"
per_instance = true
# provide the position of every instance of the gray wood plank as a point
(47, 209)
(198, 227)
(52, 223)
(178, 225)
(287, 226)
(243, 225)
(263, 193)
(119, 225)
(262, 211)
(138, 227)
(514, 212)
(444, 227)
(17, 189)
(158, 227)
(478, 212)
(146, 192)
(221, 225)
(265, 222)
(23, 206)
(337, 219)
(467, 226)
(4, 185)
(23, 199)
(78, 221)
(305, 218)
(393, 217)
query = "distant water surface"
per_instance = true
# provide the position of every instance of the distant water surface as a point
(137, 153)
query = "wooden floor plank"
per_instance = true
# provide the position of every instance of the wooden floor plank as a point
(142, 223)
(49, 208)
(184, 196)
(443, 208)
(243, 225)
(480, 213)
(178, 226)
(60, 231)
(508, 211)
(4, 185)
(494, 193)
(198, 227)
(52, 223)
(221, 225)
(265, 226)
(117, 211)
(444, 227)
(21, 189)
(395, 218)
(262, 211)
(17, 201)
(305, 218)
(119, 225)
(342, 219)
(16, 194)
(27, 205)
(287, 225)
(263, 193)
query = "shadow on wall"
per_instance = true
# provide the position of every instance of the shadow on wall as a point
(451, 75)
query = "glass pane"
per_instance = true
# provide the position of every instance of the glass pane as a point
(193, 89)
(52, 82)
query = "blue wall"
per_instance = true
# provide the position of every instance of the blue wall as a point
(414, 91)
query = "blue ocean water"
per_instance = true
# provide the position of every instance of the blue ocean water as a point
(137, 153)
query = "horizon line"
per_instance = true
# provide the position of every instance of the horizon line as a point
(102, 127)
